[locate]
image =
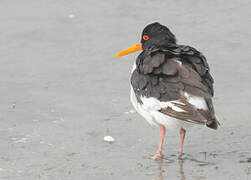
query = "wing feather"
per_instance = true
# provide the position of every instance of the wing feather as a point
(167, 78)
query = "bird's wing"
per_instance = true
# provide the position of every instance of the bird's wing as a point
(174, 81)
(197, 60)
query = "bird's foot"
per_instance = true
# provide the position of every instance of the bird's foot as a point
(158, 155)
(180, 155)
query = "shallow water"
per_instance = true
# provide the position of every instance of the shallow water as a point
(62, 90)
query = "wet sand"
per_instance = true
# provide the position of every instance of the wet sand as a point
(62, 90)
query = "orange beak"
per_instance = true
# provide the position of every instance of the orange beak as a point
(133, 48)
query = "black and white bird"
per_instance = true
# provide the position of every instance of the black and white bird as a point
(171, 86)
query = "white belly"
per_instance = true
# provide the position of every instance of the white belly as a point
(140, 109)
(150, 111)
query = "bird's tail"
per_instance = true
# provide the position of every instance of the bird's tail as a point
(213, 124)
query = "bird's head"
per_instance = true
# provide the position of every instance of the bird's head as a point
(153, 35)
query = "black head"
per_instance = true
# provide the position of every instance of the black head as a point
(156, 35)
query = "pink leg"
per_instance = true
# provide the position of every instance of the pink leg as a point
(182, 137)
(162, 132)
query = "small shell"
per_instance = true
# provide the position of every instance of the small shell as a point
(71, 16)
(109, 139)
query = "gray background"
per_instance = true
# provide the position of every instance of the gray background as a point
(62, 90)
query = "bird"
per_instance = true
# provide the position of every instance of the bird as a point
(171, 84)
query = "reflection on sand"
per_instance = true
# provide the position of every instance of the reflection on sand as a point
(181, 171)
(164, 163)
(162, 166)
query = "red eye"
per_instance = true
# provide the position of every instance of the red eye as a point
(145, 37)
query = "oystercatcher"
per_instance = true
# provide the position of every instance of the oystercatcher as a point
(170, 84)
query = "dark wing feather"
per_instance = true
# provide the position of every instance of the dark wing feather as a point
(159, 75)
(190, 113)
(196, 59)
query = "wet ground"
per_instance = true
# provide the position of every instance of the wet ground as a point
(62, 90)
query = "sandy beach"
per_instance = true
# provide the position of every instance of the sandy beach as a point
(62, 90)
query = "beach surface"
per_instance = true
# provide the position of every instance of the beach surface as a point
(62, 90)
